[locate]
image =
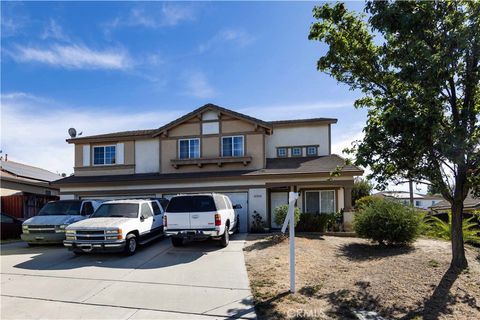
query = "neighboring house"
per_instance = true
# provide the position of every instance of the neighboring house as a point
(214, 149)
(25, 189)
(469, 204)
(420, 201)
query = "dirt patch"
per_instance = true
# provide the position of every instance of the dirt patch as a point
(336, 276)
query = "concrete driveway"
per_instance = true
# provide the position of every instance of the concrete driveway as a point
(198, 281)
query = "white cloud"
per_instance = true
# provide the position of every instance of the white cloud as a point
(73, 57)
(38, 138)
(239, 38)
(197, 85)
(151, 16)
(54, 31)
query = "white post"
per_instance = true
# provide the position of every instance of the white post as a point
(290, 220)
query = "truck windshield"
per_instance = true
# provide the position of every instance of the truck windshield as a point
(191, 204)
(61, 208)
(116, 210)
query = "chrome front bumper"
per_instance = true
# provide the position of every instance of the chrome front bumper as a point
(92, 246)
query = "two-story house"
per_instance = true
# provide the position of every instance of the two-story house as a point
(214, 149)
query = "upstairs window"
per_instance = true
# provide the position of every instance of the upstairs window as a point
(232, 146)
(296, 152)
(104, 155)
(312, 151)
(281, 152)
(189, 148)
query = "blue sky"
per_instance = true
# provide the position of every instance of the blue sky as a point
(113, 66)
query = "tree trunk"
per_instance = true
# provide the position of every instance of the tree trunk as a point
(459, 261)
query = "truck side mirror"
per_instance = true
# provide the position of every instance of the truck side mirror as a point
(237, 206)
(142, 218)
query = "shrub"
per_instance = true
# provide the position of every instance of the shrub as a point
(365, 201)
(280, 213)
(257, 223)
(437, 228)
(388, 222)
(315, 222)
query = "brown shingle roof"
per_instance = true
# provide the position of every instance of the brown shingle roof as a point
(280, 123)
(286, 166)
(120, 134)
(306, 165)
(210, 106)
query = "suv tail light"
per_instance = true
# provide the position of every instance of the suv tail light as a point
(164, 220)
(218, 219)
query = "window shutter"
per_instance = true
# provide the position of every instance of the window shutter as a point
(120, 154)
(86, 155)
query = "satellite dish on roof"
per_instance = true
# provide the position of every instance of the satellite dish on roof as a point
(72, 132)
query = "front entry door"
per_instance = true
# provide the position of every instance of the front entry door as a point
(277, 199)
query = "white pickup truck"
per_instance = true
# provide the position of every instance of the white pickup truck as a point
(200, 217)
(118, 225)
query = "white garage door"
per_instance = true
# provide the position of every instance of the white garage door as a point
(141, 196)
(240, 198)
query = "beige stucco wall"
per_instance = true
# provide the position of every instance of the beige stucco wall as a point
(129, 149)
(105, 170)
(210, 147)
(168, 151)
(235, 126)
(78, 154)
(255, 148)
(185, 130)
(125, 168)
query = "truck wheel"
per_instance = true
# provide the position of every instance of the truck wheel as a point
(131, 244)
(225, 238)
(177, 242)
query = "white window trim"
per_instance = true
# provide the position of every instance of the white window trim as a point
(316, 151)
(231, 137)
(297, 155)
(320, 199)
(286, 152)
(104, 146)
(189, 139)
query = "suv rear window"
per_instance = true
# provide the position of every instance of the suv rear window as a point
(118, 210)
(191, 204)
(61, 208)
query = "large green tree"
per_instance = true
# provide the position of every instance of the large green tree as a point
(417, 65)
(361, 188)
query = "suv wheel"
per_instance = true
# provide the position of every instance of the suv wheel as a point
(131, 244)
(177, 241)
(225, 238)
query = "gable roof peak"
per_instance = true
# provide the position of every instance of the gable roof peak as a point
(211, 106)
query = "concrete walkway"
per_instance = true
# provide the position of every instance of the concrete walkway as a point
(198, 281)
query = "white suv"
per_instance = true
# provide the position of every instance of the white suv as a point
(117, 225)
(200, 217)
